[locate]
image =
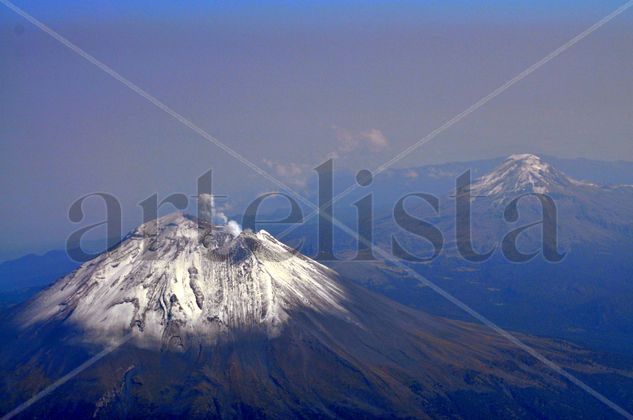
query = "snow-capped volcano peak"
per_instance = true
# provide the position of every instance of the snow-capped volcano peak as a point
(528, 158)
(173, 279)
(522, 173)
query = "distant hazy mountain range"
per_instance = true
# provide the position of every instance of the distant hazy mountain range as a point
(439, 179)
(583, 297)
(241, 326)
(587, 213)
(24, 276)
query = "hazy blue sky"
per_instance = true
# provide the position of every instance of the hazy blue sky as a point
(287, 84)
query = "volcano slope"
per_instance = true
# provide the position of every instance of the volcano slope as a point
(205, 324)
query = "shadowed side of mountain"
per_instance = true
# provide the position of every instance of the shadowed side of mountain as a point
(385, 360)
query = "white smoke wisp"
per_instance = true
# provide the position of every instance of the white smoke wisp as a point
(233, 228)
(205, 207)
(219, 218)
(208, 211)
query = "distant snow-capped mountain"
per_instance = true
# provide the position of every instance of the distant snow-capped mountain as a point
(586, 214)
(524, 173)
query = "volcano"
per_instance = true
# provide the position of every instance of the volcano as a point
(524, 173)
(175, 280)
(588, 213)
(202, 322)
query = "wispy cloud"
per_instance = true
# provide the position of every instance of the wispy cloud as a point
(348, 141)
(349, 146)
(438, 173)
(293, 173)
(376, 139)
(411, 174)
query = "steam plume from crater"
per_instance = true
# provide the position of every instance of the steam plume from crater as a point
(209, 212)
